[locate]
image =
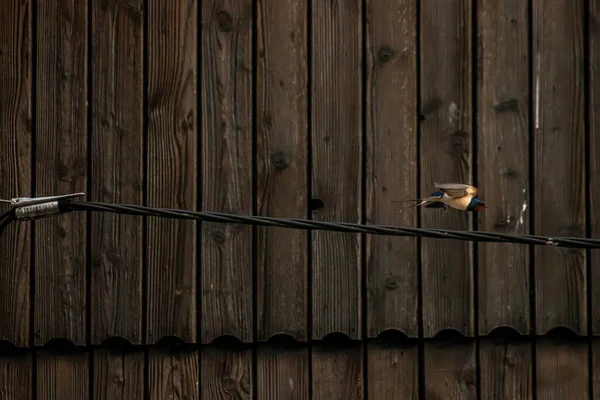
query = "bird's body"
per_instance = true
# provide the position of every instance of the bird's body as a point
(459, 196)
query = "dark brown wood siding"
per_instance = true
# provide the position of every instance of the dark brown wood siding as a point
(329, 110)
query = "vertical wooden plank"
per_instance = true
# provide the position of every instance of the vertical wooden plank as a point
(391, 163)
(503, 161)
(562, 369)
(15, 166)
(337, 372)
(226, 373)
(62, 376)
(227, 168)
(446, 156)
(506, 369)
(336, 111)
(594, 152)
(173, 374)
(16, 377)
(392, 371)
(281, 166)
(559, 144)
(595, 367)
(117, 161)
(61, 167)
(118, 375)
(172, 168)
(450, 371)
(282, 372)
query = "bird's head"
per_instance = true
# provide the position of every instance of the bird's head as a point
(476, 205)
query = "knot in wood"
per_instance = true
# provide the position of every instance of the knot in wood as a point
(112, 255)
(224, 20)
(459, 142)
(315, 204)
(385, 54)
(230, 384)
(280, 160)
(391, 283)
(218, 237)
(62, 170)
(507, 105)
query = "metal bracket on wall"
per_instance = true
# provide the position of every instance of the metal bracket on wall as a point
(28, 208)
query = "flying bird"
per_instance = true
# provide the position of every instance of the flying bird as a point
(455, 195)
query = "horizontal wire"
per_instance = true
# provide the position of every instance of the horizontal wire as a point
(298, 223)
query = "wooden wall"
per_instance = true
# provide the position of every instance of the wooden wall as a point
(329, 110)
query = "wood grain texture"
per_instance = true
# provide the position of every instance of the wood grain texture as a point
(392, 262)
(559, 150)
(336, 147)
(392, 371)
(282, 373)
(227, 264)
(15, 166)
(172, 168)
(117, 162)
(595, 367)
(337, 372)
(562, 369)
(16, 377)
(118, 375)
(450, 371)
(506, 369)
(62, 376)
(503, 161)
(61, 167)
(281, 166)
(446, 156)
(594, 153)
(226, 373)
(173, 374)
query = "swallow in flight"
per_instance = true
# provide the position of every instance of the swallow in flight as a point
(455, 195)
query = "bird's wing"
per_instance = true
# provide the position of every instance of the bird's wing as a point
(456, 190)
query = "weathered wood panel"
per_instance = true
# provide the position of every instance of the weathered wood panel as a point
(173, 374)
(446, 156)
(117, 175)
(450, 371)
(594, 153)
(62, 376)
(595, 367)
(60, 168)
(282, 372)
(118, 375)
(392, 371)
(227, 265)
(282, 121)
(506, 369)
(392, 262)
(15, 166)
(559, 150)
(226, 373)
(503, 161)
(336, 145)
(16, 377)
(337, 372)
(172, 168)
(562, 369)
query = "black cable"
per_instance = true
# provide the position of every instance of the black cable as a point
(297, 223)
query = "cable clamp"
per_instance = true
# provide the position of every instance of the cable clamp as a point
(28, 208)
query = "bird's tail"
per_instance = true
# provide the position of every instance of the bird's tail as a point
(425, 200)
